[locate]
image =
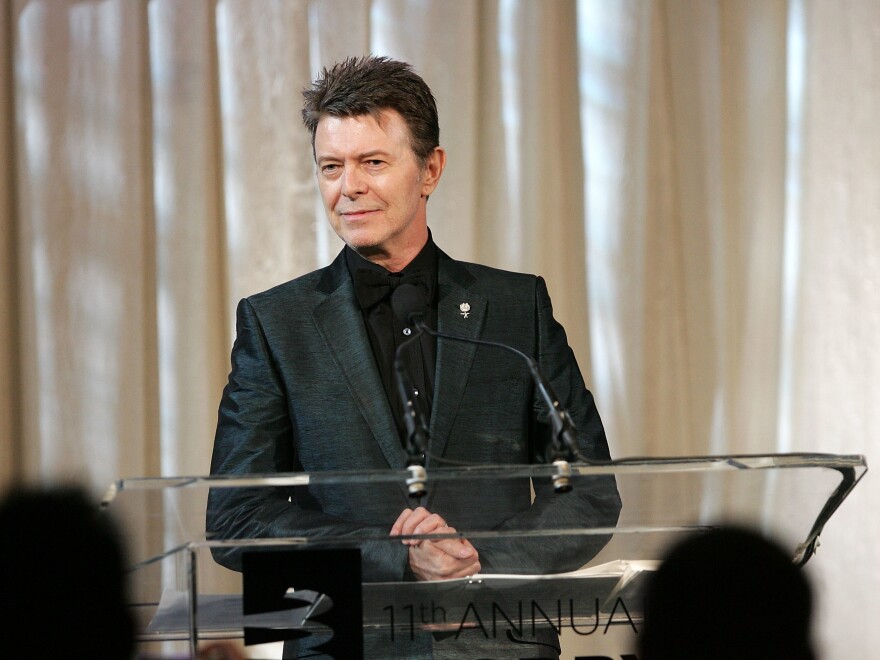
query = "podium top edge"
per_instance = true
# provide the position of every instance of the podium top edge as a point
(855, 462)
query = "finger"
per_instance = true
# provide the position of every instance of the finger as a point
(455, 548)
(414, 520)
(411, 521)
(398, 524)
(460, 548)
(428, 563)
(431, 524)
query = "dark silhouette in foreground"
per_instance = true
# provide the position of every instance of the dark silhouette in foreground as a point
(728, 593)
(62, 577)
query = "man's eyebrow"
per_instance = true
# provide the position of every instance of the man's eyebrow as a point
(366, 155)
(374, 152)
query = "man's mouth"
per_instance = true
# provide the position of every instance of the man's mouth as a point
(357, 214)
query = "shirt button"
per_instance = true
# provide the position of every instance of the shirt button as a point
(407, 332)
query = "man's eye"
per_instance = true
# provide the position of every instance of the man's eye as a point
(375, 163)
(329, 169)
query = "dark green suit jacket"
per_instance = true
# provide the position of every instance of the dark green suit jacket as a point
(304, 394)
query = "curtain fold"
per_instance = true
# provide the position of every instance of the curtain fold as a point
(10, 399)
(193, 335)
(834, 352)
(86, 252)
(698, 181)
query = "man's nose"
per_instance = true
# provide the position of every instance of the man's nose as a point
(354, 182)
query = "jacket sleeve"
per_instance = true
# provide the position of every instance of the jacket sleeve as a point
(255, 435)
(593, 503)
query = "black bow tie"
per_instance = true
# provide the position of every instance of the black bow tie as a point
(371, 286)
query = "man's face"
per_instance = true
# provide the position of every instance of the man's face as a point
(374, 188)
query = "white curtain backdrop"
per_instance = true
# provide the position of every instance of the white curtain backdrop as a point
(698, 180)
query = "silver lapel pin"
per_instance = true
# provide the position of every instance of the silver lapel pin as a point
(465, 309)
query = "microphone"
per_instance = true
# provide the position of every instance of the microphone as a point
(413, 419)
(409, 302)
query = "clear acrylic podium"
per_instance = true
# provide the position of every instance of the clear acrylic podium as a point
(182, 595)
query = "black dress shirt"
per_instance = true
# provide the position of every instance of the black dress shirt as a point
(387, 332)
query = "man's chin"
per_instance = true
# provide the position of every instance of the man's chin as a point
(368, 251)
(364, 245)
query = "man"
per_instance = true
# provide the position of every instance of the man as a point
(312, 386)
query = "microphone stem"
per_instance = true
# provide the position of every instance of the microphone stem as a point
(563, 435)
(416, 431)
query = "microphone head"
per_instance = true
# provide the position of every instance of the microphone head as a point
(408, 302)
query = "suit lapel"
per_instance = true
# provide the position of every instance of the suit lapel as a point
(338, 310)
(354, 356)
(461, 311)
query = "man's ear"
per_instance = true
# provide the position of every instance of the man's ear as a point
(434, 165)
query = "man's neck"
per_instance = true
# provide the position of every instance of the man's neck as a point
(398, 260)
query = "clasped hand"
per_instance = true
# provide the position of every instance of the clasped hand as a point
(439, 559)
